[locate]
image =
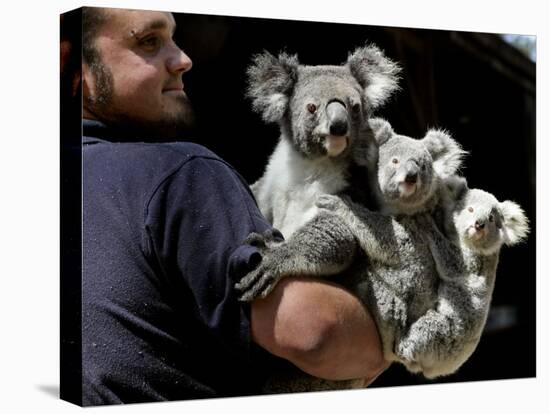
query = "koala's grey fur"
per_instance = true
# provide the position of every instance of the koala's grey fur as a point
(477, 225)
(399, 281)
(323, 114)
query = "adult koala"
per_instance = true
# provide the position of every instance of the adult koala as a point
(323, 114)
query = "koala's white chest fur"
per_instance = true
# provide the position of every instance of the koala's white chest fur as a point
(287, 191)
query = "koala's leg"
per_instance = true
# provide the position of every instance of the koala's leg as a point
(324, 246)
(441, 340)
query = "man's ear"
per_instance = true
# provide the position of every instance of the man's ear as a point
(515, 223)
(270, 82)
(445, 151)
(377, 74)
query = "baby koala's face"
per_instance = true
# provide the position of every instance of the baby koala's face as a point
(405, 173)
(479, 221)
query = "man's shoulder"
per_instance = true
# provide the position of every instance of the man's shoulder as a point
(101, 142)
(165, 154)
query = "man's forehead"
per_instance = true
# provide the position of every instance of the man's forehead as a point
(134, 21)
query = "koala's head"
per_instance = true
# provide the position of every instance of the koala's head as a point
(410, 170)
(322, 110)
(483, 223)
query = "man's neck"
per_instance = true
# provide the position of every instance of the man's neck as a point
(86, 114)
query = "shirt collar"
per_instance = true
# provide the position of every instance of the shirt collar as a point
(94, 131)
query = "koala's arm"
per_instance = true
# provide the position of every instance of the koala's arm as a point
(324, 246)
(448, 256)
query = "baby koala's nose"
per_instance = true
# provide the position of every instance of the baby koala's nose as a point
(479, 225)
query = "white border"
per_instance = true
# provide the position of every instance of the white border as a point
(29, 164)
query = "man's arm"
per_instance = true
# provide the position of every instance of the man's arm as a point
(321, 328)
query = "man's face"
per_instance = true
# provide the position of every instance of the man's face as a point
(139, 79)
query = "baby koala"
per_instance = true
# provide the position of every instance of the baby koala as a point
(477, 226)
(385, 254)
(323, 114)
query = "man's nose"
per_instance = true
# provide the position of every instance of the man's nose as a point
(178, 61)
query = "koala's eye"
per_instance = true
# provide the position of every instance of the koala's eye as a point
(356, 108)
(423, 167)
(470, 209)
(395, 160)
(311, 108)
(491, 218)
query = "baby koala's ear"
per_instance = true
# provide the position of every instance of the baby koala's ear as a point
(515, 222)
(446, 152)
(270, 82)
(456, 187)
(382, 130)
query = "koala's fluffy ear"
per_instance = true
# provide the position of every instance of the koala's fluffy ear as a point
(516, 224)
(382, 130)
(446, 152)
(270, 81)
(456, 186)
(376, 74)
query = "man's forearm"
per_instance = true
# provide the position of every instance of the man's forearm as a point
(321, 328)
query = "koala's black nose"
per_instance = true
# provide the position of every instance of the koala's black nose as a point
(337, 118)
(411, 177)
(479, 225)
(339, 128)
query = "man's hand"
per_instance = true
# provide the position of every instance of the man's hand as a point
(321, 328)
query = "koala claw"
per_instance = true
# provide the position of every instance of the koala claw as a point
(261, 240)
(256, 284)
(405, 352)
(256, 240)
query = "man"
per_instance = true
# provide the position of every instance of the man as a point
(163, 232)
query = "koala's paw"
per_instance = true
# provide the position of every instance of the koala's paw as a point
(330, 202)
(406, 352)
(262, 241)
(259, 282)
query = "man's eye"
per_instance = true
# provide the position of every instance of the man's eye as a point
(150, 43)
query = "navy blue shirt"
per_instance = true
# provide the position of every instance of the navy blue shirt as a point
(163, 227)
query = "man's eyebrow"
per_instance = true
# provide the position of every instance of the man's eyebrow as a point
(154, 25)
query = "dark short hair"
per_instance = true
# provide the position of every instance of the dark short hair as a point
(93, 19)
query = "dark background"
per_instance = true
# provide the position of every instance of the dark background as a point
(474, 85)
